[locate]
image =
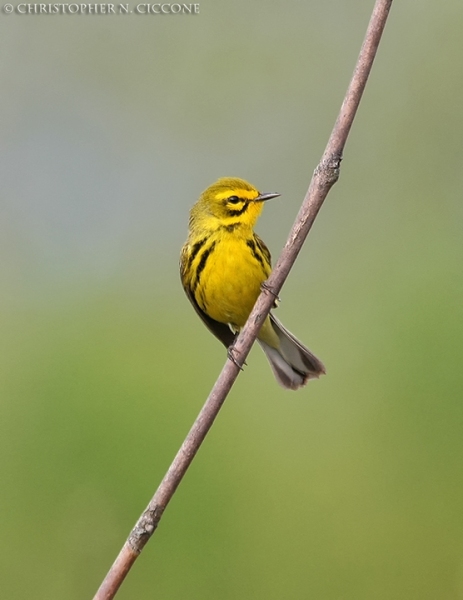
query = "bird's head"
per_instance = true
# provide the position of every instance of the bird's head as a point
(231, 201)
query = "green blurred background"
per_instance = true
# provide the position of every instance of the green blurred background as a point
(111, 127)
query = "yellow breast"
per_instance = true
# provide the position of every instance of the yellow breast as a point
(231, 279)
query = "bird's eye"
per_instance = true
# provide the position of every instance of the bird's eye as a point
(233, 200)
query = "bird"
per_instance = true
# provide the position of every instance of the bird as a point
(223, 265)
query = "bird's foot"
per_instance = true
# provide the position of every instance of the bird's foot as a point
(232, 357)
(264, 286)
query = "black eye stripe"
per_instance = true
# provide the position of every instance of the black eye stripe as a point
(238, 212)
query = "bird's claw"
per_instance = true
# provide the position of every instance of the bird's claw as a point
(231, 356)
(264, 286)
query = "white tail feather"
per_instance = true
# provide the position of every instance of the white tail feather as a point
(292, 363)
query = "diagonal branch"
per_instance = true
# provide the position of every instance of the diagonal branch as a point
(325, 175)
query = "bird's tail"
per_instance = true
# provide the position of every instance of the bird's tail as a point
(292, 363)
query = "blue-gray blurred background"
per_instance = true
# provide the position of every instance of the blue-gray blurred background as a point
(111, 127)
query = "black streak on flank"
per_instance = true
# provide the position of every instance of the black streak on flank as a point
(252, 245)
(202, 264)
(263, 248)
(194, 251)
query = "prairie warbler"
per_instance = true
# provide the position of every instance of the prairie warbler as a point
(223, 265)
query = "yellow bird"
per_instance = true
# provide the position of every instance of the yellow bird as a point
(223, 265)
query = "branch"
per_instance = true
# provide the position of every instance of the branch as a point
(325, 175)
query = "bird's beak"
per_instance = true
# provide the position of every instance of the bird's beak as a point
(264, 197)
